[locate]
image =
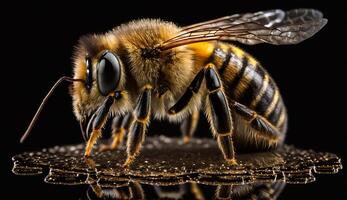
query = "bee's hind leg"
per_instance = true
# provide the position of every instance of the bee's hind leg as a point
(218, 113)
(96, 123)
(263, 129)
(137, 130)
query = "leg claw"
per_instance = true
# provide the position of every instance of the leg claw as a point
(105, 147)
(232, 161)
(186, 140)
(128, 161)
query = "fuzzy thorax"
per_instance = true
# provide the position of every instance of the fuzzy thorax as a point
(147, 63)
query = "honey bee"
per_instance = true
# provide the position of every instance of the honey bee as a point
(151, 68)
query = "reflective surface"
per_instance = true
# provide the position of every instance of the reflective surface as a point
(134, 190)
(167, 168)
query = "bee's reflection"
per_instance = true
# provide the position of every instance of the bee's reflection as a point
(135, 190)
(132, 189)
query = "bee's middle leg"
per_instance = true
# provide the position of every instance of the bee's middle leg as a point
(188, 126)
(120, 126)
(217, 109)
(120, 131)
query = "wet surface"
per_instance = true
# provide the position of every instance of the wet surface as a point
(168, 162)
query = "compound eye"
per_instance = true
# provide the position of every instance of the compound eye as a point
(89, 77)
(108, 73)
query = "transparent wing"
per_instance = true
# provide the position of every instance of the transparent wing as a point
(273, 26)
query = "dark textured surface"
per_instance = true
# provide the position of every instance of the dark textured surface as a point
(166, 161)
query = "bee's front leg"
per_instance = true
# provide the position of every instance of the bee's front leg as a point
(137, 130)
(97, 122)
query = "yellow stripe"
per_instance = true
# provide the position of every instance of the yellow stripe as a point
(241, 53)
(237, 51)
(251, 60)
(281, 119)
(273, 103)
(224, 47)
(262, 91)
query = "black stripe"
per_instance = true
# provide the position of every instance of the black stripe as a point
(267, 98)
(238, 77)
(254, 87)
(225, 62)
(276, 113)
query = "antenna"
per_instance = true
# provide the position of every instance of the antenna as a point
(43, 103)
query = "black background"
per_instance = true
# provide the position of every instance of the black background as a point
(38, 42)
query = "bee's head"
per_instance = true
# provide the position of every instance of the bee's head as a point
(97, 63)
(98, 73)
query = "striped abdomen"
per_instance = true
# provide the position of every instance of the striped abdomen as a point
(248, 83)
